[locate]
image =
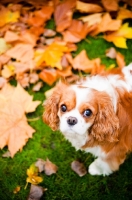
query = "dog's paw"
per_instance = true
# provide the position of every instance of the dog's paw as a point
(99, 167)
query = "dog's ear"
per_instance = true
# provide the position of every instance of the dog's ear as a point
(51, 107)
(106, 124)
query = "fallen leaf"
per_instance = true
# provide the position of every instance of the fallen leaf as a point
(50, 168)
(88, 7)
(110, 5)
(107, 24)
(111, 53)
(15, 130)
(76, 32)
(23, 79)
(3, 46)
(36, 192)
(21, 52)
(7, 154)
(16, 190)
(33, 78)
(37, 86)
(21, 96)
(33, 177)
(92, 19)
(11, 36)
(6, 16)
(124, 13)
(119, 37)
(79, 168)
(120, 59)
(82, 62)
(49, 33)
(53, 54)
(40, 163)
(3, 81)
(49, 76)
(8, 71)
(63, 14)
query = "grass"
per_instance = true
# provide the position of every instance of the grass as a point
(65, 185)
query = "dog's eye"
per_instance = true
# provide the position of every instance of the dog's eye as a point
(63, 108)
(87, 113)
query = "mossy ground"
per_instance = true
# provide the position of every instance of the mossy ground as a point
(65, 185)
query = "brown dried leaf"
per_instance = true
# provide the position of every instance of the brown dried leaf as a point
(40, 163)
(111, 53)
(110, 5)
(79, 168)
(7, 154)
(50, 168)
(36, 192)
(76, 32)
(37, 86)
(63, 14)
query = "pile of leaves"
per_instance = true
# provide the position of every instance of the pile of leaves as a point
(30, 52)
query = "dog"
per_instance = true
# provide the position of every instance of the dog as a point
(95, 115)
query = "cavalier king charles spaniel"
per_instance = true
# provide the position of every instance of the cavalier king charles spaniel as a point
(95, 115)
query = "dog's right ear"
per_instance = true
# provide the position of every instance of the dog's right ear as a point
(51, 107)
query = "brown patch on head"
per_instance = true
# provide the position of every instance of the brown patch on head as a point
(68, 98)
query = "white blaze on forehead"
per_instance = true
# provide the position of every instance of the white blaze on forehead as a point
(83, 94)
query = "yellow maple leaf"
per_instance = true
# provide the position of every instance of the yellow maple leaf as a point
(119, 37)
(33, 177)
(7, 16)
(52, 55)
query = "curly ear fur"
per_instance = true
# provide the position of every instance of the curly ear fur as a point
(106, 124)
(51, 107)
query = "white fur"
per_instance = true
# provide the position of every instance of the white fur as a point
(127, 71)
(99, 167)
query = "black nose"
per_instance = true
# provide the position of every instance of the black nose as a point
(72, 121)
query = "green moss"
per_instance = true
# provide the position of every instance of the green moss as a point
(65, 185)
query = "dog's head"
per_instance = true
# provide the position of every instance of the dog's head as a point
(81, 110)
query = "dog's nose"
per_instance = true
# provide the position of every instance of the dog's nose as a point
(72, 121)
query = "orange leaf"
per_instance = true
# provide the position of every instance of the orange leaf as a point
(110, 5)
(120, 60)
(48, 75)
(124, 14)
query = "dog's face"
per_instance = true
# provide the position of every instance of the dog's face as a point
(77, 110)
(81, 112)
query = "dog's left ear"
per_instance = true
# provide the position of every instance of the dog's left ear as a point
(106, 124)
(51, 107)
